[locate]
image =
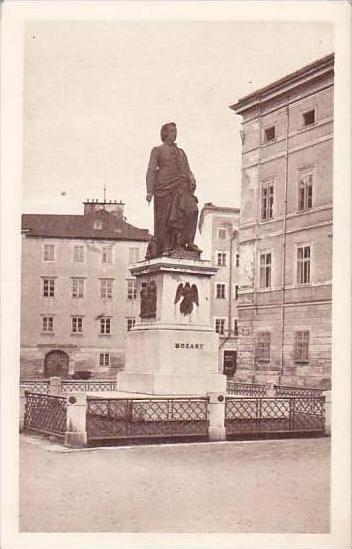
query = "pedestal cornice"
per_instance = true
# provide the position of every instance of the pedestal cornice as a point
(174, 265)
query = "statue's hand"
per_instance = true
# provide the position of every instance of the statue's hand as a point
(149, 197)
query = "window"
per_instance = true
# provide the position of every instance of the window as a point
(130, 323)
(77, 324)
(237, 260)
(236, 291)
(48, 287)
(263, 346)
(303, 264)
(78, 287)
(133, 255)
(131, 289)
(106, 288)
(301, 350)
(106, 254)
(220, 291)
(309, 117)
(235, 327)
(49, 252)
(269, 134)
(221, 259)
(267, 201)
(265, 270)
(105, 326)
(220, 326)
(48, 324)
(78, 253)
(104, 360)
(222, 233)
(305, 192)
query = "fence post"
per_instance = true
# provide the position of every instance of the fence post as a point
(22, 406)
(76, 432)
(216, 416)
(54, 386)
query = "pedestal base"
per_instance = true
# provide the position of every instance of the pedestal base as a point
(173, 360)
(173, 349)
(171, 384)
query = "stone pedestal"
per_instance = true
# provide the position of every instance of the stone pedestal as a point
(76, 435)
(171, 353)
(216, 409)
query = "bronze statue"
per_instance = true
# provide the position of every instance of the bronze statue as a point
(172, 184)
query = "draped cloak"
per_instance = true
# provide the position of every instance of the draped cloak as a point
(169, 180)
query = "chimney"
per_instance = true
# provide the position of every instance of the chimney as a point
(115, 208)
(93, 205)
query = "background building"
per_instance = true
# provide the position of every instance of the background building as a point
(78, 299)
(218, 228)
(285, 233)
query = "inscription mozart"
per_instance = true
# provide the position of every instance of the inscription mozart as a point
(189, 345)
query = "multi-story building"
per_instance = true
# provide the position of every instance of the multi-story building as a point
(78, 299)
(218, 227)
(285, 233)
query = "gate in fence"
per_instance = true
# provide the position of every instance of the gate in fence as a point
(45, 413)
(256, 416)
(143, 418)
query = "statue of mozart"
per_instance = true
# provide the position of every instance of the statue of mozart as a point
(171, 183)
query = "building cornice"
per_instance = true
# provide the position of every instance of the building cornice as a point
(285, 85)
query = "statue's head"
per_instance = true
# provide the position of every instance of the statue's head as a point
(168, 130)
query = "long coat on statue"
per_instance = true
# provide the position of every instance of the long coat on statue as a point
(170, 180)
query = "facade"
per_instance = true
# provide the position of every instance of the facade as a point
(78, 299)
(218, 227)
(285, 234)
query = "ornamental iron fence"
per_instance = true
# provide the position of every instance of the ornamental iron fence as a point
(35, 385)
(142, 418)
(290, 390)
(250, 389)
(246, 416)
(69, 386)
(88, 386)
(45, 413)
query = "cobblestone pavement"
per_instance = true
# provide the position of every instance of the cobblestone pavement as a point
(259, 486)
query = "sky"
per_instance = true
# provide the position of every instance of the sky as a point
(96, 94)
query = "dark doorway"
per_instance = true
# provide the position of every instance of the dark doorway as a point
(230, 363)
(56, 364)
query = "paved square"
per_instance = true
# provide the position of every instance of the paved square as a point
(259, 486)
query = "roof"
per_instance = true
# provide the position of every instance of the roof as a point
(82, 226)
(313, 70)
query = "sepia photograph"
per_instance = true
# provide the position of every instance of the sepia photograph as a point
(176, 368)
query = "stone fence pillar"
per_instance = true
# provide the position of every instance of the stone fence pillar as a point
(54, 386)
(216, 416)
(76, 433)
